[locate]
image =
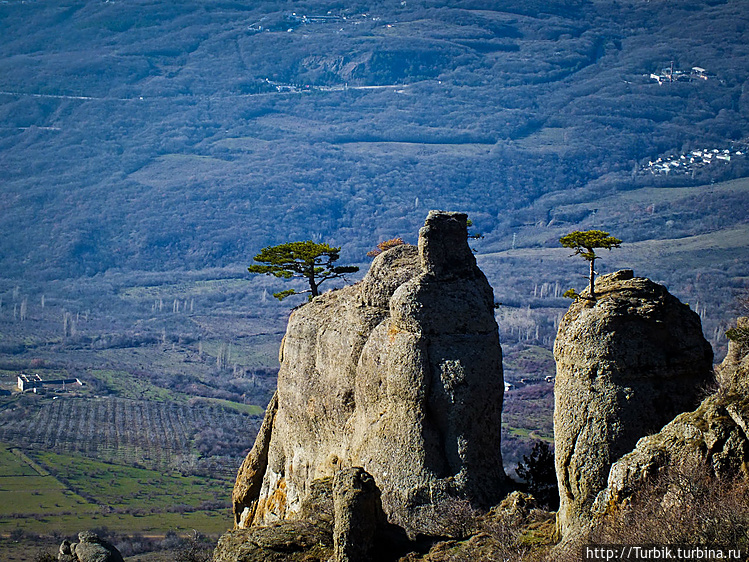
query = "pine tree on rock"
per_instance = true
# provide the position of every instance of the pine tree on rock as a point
(309, 260)
(585, 244)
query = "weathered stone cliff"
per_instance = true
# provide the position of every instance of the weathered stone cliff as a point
(714, 436)
(400, 374)
(628, 362)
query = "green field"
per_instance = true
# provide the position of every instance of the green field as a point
(524, 433)
(45, 492)
(250, 409)
(183, 290)
(127, 385)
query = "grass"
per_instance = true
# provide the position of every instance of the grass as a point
(260, 350)
(43, 495)
(28, 549)
(732, 238)
(251, 409)
(208, 522)
(122, 486)
(24, 491)
(530, 361)
(13, 465)
(535, 353)
(413, 149)
(547, 140)
(79, 493)
(539, 533)
(525, 433)
(23, 457)
(126, 385)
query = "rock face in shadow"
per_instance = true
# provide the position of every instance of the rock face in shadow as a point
(714, 436)
(628, 362)
(340, 520)
(400, 374)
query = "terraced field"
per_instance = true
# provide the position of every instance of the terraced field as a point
(196, 438)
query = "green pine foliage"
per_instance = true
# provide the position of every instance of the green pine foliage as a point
(585, 244)
(308, 260)
(537, 470)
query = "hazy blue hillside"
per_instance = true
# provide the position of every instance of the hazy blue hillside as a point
(148, 149)
(151, 135)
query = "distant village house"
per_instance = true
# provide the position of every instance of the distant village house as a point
(670, 74)
(34, 383)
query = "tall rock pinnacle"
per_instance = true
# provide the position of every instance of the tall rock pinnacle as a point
(400, 374)
(627, 364)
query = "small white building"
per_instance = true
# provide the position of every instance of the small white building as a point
(29, 382)
(35, 382)
(699, 72)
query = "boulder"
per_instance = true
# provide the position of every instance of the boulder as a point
(306, 539)
(340, 519)
(90, 548)
(286, 541)
(628, 362)
(400, 374)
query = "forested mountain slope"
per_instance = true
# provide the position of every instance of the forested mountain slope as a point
(148, 135)
(150, 149)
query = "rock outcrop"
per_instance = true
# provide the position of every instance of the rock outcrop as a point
(714, 436)
(628, 362)
(308, 538)
(400, 374)
(90, 548)
(357, 515)
(733, 372)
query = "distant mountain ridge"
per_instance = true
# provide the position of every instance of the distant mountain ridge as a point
(150, 135)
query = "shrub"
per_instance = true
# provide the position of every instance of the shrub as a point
(684, 505)
(537, 469)
(739, 335)
(196, 548)
(385, 245)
